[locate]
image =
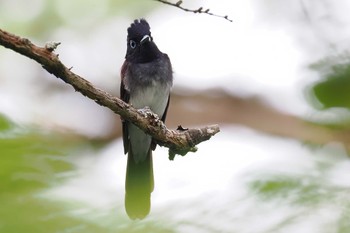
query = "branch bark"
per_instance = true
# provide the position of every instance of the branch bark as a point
(180, 141)
(200, 10)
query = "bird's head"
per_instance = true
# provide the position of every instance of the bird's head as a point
(140, 45)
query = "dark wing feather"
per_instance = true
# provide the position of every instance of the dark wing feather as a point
(125, 96)
(166, 110)
(171, 76)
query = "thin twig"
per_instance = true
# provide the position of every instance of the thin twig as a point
(199, 10)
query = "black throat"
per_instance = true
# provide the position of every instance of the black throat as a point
(145, 53)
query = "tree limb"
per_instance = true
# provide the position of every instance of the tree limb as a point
(199, 10)
(179, 141)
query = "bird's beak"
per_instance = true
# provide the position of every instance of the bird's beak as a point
(145, 39)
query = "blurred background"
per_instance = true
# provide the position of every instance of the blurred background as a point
(276, 79)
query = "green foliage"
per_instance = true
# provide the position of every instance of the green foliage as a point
(30, 162)
(33, 162)
(334, 88)
(5, 124)
(309, 194)
(298, 190)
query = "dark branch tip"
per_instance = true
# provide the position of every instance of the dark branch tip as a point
(174, 151)
(180, 128)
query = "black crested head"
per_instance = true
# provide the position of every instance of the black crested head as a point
(138, 29)
(140, 45)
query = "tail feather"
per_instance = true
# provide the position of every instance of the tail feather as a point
(139, 184)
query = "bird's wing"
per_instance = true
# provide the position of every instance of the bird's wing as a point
(125, 96)
(166, 110)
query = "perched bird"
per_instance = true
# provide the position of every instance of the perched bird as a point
(146, 80)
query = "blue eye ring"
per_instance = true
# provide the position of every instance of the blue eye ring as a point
(132, 44)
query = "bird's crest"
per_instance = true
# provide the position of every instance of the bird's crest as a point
(138, 29)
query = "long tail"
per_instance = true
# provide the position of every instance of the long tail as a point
(139, 184)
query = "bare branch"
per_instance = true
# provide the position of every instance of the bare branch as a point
(178, 141)
(199, 10)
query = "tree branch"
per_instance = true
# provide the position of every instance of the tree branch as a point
(199, 10)
(180, 141)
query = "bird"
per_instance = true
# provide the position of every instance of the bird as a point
(146, 81)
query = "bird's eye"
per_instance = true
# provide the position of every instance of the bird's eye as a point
(132, 44)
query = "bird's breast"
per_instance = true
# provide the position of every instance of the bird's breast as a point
(155, 96)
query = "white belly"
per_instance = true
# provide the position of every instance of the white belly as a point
(155, 97)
